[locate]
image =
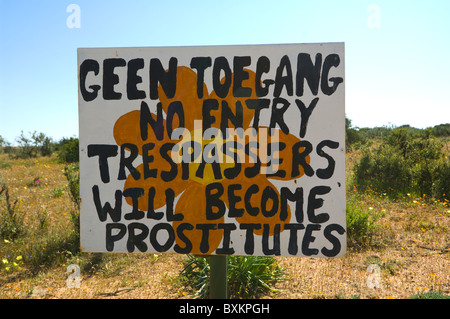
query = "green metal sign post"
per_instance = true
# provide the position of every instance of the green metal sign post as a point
(218, 277)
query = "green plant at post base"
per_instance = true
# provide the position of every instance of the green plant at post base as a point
(252, 276)
(196, 274)
(247, 276)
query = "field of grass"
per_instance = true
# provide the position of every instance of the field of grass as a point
(408, 240)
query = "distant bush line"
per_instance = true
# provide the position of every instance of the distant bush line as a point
(356, 137)
(35, 144)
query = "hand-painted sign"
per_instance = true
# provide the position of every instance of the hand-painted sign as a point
(213, 150)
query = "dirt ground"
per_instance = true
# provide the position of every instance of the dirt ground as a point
(403, 273)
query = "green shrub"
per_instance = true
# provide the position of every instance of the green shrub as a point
(441, 130)
(252, 276)
(382, 170)
(360, 225)
(404, 163)
(441, 180)
(352, 135)
(195, 274)
(68, 150)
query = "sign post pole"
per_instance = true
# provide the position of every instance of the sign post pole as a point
(218, 277)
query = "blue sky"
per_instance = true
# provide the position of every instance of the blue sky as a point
(397, 52)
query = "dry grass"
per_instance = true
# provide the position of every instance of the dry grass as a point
(413, 255)
(411, 249)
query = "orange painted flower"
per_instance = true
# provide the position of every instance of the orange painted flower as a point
(230, 172)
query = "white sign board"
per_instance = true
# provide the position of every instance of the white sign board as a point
(213, 150)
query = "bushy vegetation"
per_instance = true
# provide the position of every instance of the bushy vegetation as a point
(68, 150)
(401, 163)
(357, 137)
(361, 224)
(29, 146)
